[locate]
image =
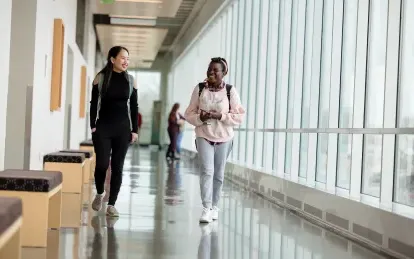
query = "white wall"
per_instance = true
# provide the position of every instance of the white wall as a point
(47, 127)
(5, 29)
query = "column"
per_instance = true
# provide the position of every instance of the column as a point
(21, 75)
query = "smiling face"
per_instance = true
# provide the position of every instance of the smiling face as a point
(121, 61)
(215, 73)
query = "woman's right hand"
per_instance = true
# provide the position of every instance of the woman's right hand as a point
(93, 130)
(204, 116)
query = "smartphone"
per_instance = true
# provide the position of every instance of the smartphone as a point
(207, 122)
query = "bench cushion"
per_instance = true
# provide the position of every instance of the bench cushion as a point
(87, 143)
(29, 180)
(57, 157)
(10, 211)
(88, 154)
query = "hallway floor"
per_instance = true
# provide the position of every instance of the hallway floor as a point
(159, 208)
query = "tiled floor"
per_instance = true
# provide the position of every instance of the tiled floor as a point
(159, 208)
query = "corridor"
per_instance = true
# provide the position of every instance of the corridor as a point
(159, 209)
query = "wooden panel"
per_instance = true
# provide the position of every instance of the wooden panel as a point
(82, 104)
(57, 65)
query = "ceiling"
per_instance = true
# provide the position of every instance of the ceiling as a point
(146, 27)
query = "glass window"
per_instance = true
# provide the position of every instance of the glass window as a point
(260, 103)
(228, 37)
(233, 47)
(306, 87)
(325, 85)
(271, 67)
(374, 115)
(282, 82)
(297, 100)
(314, 88)
(238, 66)
(347, 92)
(404, 171)
(291, 84)
(245, 75)
(252, 77)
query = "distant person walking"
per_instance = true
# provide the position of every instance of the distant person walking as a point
(175, 120)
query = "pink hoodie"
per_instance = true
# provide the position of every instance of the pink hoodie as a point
(218, 130)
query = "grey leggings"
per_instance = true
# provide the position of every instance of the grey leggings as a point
(212, 161)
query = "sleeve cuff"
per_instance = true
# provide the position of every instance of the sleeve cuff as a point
(223, 117)
(199, 121)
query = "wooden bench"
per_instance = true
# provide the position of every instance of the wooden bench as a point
(71, 165)
(87, 169)
(88, 146)
(41, 196)
(10, 225)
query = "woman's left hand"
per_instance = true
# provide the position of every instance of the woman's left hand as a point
(134, 137)
(215, 115)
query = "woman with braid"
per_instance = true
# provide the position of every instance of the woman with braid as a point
(214, 110)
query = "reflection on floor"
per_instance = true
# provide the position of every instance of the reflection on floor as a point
(159, 208)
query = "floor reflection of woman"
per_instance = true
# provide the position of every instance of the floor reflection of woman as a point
(209, 245)
(173, 190)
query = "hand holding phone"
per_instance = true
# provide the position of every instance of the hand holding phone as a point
(204, 115)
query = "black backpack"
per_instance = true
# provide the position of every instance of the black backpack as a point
(228, 89)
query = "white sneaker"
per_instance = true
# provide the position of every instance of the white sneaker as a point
(97, 202)
(215, 213)
(206, 216)
(111, 211)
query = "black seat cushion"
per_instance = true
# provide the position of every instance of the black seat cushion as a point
(29, 180)
(10, 211)
(57, 157)
(87, 143)
(88, 154)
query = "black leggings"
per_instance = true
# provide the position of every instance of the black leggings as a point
(172, 148)
(106, 139)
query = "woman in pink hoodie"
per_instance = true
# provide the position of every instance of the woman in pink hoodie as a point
(214, 110)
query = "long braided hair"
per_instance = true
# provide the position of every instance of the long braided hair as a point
(109, 67)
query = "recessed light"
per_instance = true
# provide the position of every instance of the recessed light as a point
(132, 17)
(142, 1)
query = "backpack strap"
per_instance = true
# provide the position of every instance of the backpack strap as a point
(131, 88)
(131, 84)
(100, 84)
(200, 88)
(228, 90)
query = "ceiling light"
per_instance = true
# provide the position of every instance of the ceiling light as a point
(141, 1)
(136, 22)
(132, 17)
